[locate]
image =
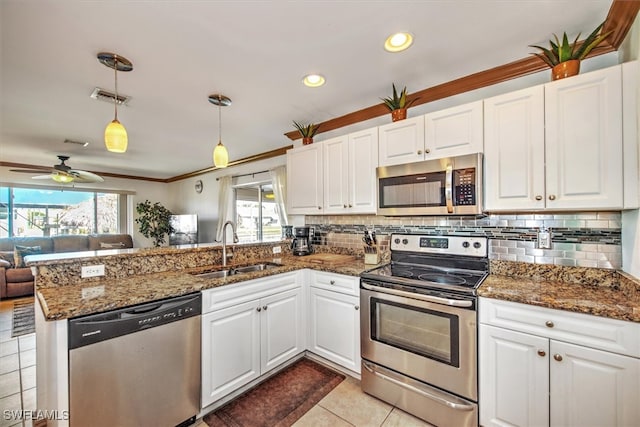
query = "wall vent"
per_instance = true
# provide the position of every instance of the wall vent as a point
(106, 96)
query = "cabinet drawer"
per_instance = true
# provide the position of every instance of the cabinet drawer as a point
(583, 329)
(237, 293)
(335, 282)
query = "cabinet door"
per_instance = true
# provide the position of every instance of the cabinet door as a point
(363, 161)
(593, 387)
(335, 157)
(514, 150)
(401, 142)
(454, 131)
(335, 327)
(282, 328)
(304, 180)
(230, 350)
(514, 378)
(583, 119)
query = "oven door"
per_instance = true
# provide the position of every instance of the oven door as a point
(431, 339)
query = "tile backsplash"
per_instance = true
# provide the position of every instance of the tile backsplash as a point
(583, 239)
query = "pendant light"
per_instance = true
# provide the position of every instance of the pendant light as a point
(115, 135)
(220, 153)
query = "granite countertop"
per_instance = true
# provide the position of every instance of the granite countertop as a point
(615, 296)
(64, 302)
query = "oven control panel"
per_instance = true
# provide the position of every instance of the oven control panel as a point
(453, 245)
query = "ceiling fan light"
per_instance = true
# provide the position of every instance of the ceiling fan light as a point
(115, 137)
(62, 178)
(220, 156)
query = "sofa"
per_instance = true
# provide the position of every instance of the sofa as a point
(16, 279)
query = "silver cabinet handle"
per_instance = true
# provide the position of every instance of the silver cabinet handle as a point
(557, 357)
(264, 307)
(549, 324)
(344, 206)
(350, 205)
(538, 197)
(427, 151)
(332, 282)
(419, 152)
(427, 298)
(319, 207)
(258, 309)
(552, 197)
(357, 307)
(542, 353)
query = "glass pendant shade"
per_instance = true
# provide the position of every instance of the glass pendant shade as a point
(220, 156)
(115, 137)
(62, 178)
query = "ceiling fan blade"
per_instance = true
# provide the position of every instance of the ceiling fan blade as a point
(30, 170)
(50, 176)
(85, 176)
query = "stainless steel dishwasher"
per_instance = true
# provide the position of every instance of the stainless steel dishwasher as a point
(136, 366)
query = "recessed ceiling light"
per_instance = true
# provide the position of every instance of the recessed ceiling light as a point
(313, 80)
(398, 42)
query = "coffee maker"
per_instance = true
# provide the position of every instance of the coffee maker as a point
(301, 243)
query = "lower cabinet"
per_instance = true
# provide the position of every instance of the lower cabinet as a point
(334, 322)
(245, 340)
(537, 372)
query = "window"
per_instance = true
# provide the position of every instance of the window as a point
(257, 216)
(49, 212)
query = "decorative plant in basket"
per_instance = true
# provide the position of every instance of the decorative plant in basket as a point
(307, 131)
(398, 104)
(564, 57)
(154, 220)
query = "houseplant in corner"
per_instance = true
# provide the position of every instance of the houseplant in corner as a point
(154, 220)
(307, 131)
(564, 57)
(397, 104)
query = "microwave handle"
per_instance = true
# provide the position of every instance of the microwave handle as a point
(448, 188)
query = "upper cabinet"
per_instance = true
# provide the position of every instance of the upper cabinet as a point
(556, 146)
(336, 176)
(455, 131)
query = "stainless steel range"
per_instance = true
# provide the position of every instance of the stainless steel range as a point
(418, 334)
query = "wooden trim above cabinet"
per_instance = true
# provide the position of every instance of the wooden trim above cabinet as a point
(620, 19)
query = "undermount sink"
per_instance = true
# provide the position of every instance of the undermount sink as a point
(218, 274)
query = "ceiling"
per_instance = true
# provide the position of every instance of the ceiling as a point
(255, 52)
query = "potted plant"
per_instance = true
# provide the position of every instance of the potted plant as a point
(154, 220)
(307, 131)
(398, 104)
(564, 57)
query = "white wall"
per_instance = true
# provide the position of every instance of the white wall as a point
(631, 219)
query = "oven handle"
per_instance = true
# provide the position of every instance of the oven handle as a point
(448, 188)
(438, 399)
(427, 298)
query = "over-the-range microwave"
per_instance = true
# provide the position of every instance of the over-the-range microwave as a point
(447, 186)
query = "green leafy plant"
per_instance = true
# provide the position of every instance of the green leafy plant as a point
(308, 130)
(397, 101)
(564, 51)
(154, 220)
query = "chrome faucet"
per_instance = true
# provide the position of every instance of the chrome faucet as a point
(224, 240)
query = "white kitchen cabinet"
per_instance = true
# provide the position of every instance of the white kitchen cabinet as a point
(454, 131)
(252, 328)
(304, 180)
(541, 367)
(557, 146)
(334, 318)
(350, 163)
(401, 142)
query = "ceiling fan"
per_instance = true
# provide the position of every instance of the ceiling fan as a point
(63, 174)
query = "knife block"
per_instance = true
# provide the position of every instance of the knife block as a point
(372, 258)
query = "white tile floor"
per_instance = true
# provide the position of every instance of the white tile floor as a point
(345, 405)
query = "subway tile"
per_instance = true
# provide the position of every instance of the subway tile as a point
(498, 250)
(596, 224)
(508, 257)
(564, 246)
(517, 251)
(535, 252)
(587, 215)
(543, 260)
(609, 215)
(525, 258)
(609, 248)
(565, 261)
(575, 254)
(586, 263)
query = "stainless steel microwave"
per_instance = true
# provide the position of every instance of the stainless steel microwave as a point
(448, 186)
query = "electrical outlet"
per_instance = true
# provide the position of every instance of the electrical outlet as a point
(277, 249)
(92, 271)
(544, 238)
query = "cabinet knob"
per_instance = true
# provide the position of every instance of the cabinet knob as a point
(344, 206)
(319, 207)
(557, 357)
(258, 309)
(264, 307)
(542, 353)
(552, 197)
(357, 307)
(549, 324)
(419, 152)
(350, 206)
(538, 197)
(332, 282)
(427, 151)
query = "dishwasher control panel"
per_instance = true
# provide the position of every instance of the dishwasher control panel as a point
(98, 327)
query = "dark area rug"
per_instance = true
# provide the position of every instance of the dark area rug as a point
(23, 317)
(280, 400)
